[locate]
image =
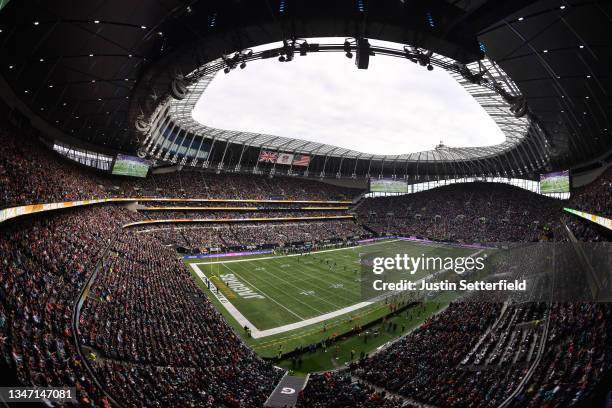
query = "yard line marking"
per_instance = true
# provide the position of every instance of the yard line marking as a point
(265, 294)
(293, 297)
(256, 333)
(298, 288)
(310, 279)
(231, 309)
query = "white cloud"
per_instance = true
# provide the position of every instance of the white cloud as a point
(393, 107)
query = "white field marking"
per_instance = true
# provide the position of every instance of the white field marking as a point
(313, 320)
(287, 256)
(292, 285)
(313, 276)
(275, 301)
(308, 279)
(265, 294)
(256, 333)
(232, 310)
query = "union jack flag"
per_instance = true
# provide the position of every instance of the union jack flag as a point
(268, 156)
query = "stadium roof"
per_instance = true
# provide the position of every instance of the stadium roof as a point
(514, 128)
(91, 69)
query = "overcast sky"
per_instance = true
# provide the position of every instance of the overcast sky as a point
(393, 107)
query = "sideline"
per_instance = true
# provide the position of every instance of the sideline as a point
(255, 332)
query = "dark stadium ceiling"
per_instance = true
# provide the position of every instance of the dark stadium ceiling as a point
(91, 67)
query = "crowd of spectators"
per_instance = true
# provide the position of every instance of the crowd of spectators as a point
(420, 364)
(31, 173)
(594, 198)
(154, 339)
(248, 234)
(150, 325)
(576, 357)
(468, 212)
(27, 166)
(173, 214)
(45, 262)
(475, 354)
(340, 390)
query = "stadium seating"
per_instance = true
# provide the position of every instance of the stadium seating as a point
(154, 339)
(21, 154)
(149, 323)
(470, 212)
(595, 198)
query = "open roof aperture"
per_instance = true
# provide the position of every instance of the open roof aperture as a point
(393, 107)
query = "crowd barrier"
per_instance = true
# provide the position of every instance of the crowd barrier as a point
(13, 212)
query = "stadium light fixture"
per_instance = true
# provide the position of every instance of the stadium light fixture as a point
(304, 48)
(362, 60)
(288, 51)
(521, 18)
(347, 49)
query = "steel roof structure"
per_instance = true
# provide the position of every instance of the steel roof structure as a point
(179, 113)
(93, 70)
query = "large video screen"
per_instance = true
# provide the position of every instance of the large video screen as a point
(388, 186)
(130, 166)
(558, 182)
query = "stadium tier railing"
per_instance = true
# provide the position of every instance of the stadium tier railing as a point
(604, 222)
(235, 208)
(76, 318)
(235, 220)
(13, 212)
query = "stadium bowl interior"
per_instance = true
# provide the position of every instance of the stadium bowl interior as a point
(152, 260)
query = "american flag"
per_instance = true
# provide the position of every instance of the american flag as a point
(301, 160)
(268, 156)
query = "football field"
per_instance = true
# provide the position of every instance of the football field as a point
(279, 296)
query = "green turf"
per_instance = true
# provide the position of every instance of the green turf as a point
(301, 287)
(558, 184)
(342, 352)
